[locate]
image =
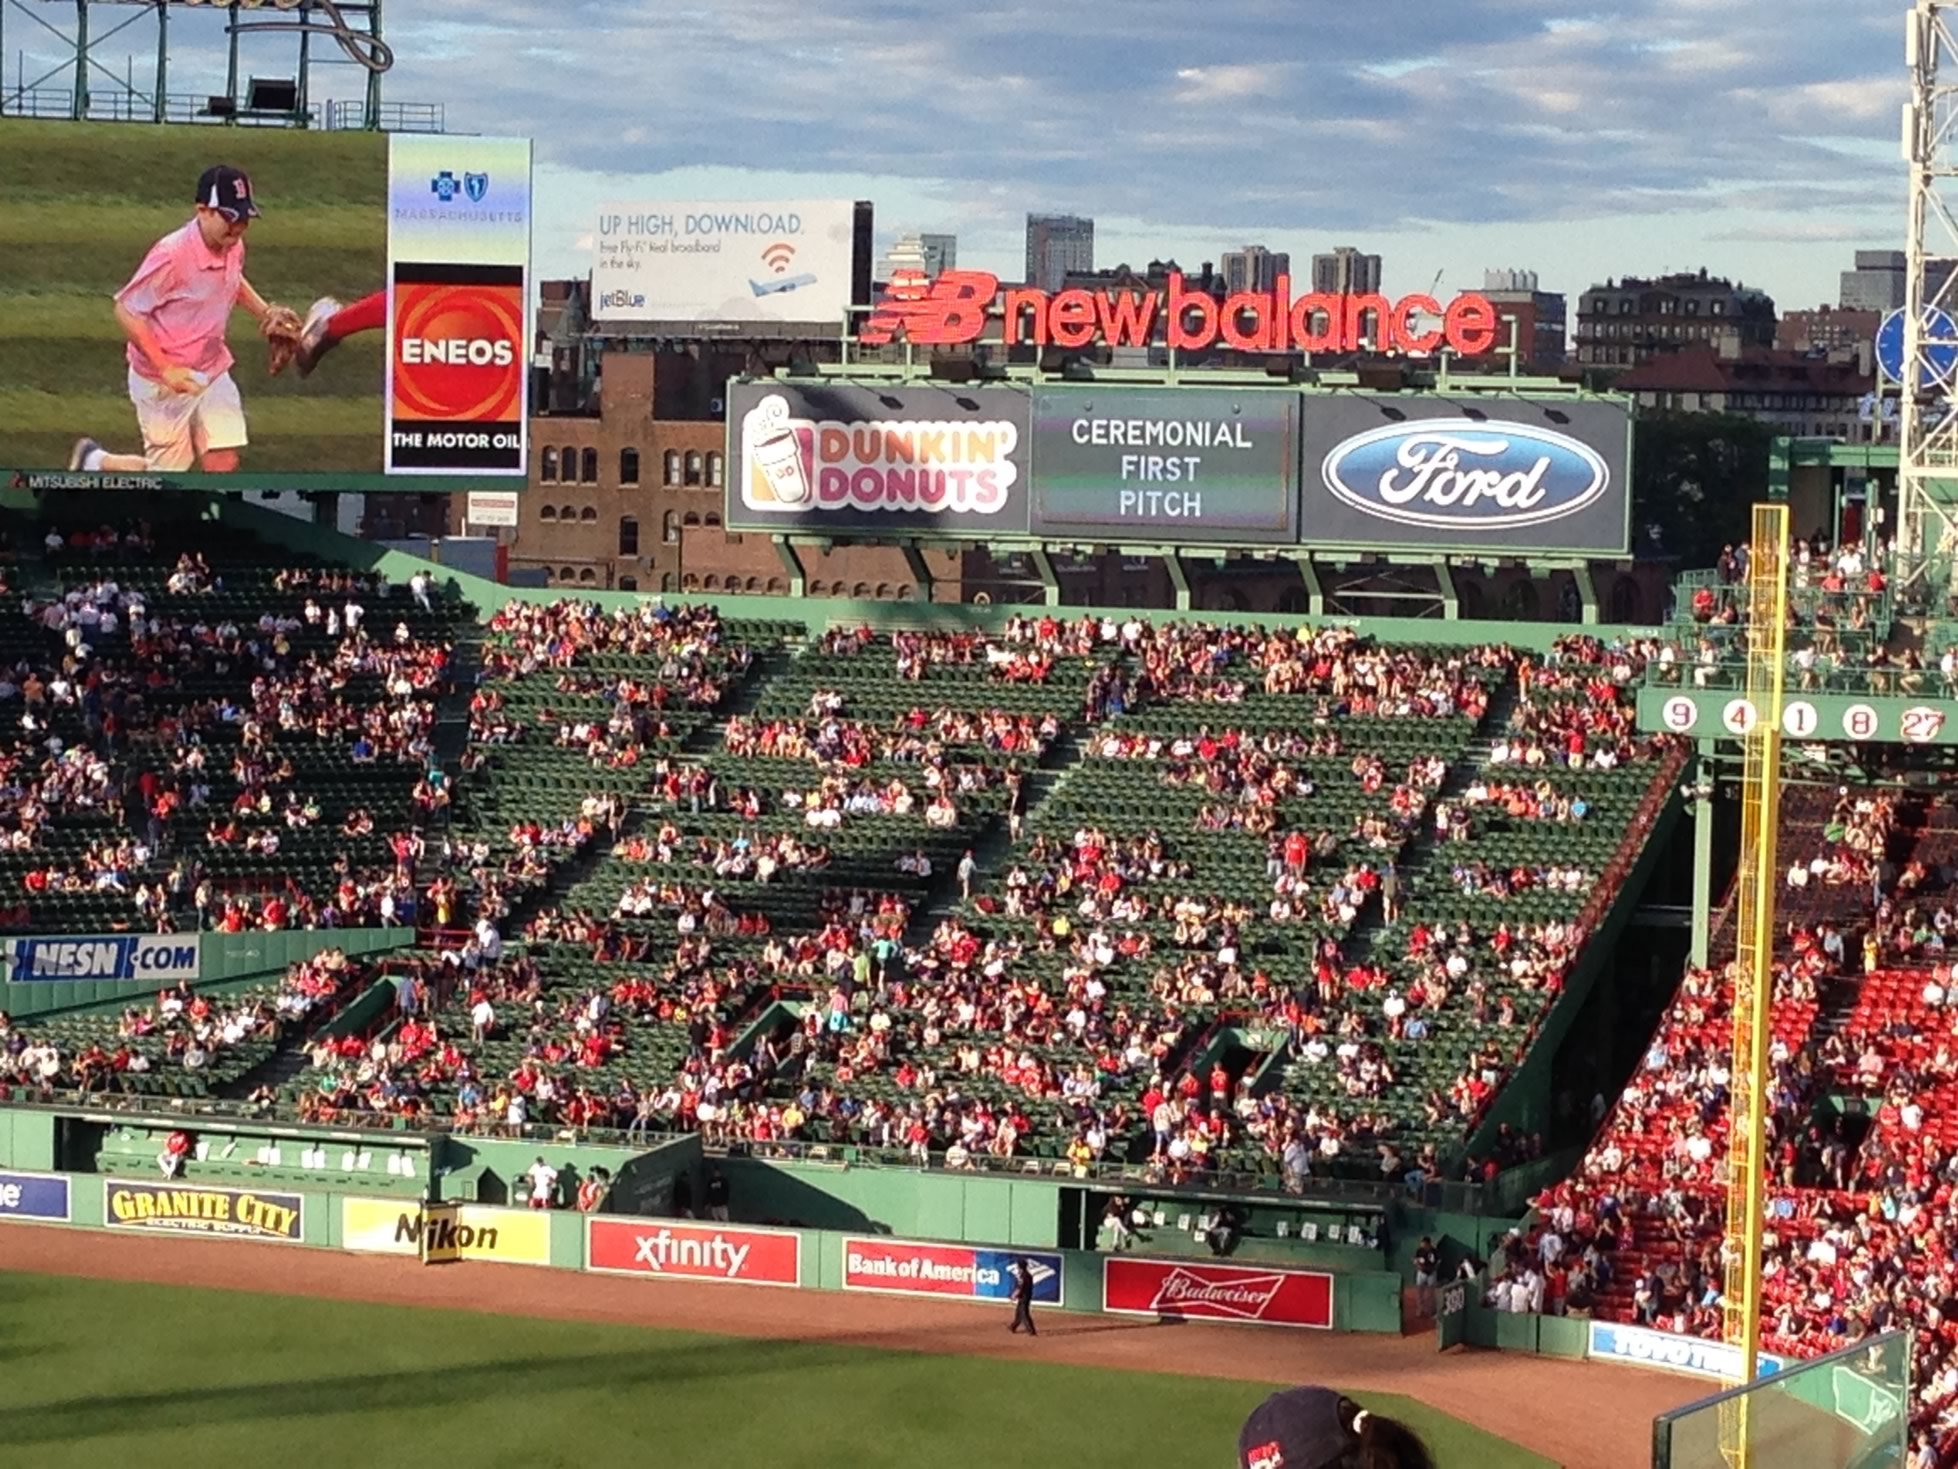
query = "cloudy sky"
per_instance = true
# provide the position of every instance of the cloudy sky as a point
(1632, 136)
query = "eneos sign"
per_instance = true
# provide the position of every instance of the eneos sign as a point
(954, 307)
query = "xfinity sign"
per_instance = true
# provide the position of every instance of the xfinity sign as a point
(146, 957)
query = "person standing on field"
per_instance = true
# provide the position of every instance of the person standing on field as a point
(1023, 1297)
(174, 313)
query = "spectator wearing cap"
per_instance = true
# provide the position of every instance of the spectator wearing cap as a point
(1317, 1428)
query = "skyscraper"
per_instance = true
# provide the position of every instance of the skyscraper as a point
(929, 253)
(1346, 272)
(1877, 282)
(1058, 244)
(1254, 268)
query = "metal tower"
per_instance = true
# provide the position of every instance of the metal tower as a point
(1927, 477)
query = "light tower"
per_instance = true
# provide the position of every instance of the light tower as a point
(1927, 475)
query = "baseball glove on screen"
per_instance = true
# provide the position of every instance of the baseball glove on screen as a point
(280, 327)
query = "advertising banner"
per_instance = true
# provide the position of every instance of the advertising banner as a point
(228, 1213)
(101, 219)
(1612, 1341)
(1193, 1291)
(671, 1249)
(870, 461)
(1506, 473)
(1186, 464)
(490, 508)
(770, 260)
(449, 1231)
(151, 958)
(34, 1196)
(904, 1267)
(458, 321)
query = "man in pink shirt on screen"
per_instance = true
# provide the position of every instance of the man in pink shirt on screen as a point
(174, 312)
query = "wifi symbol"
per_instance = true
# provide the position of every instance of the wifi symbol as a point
(778, 255)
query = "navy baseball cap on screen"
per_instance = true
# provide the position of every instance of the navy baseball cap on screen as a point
(227, 190)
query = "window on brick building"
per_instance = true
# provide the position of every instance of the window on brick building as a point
(695, 472)
(673, 466)
(669, 528)
(628, 535)
(713, 470)
(628, 583)
(628, 466)
(547, 512)
(588, 514)
(588, 467)
(547, 467)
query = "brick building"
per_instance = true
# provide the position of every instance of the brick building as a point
(1624, 323)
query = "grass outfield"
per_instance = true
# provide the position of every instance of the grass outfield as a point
(84, 201)
(100, 1372)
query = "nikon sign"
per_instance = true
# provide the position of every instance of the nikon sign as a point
(441, 1232)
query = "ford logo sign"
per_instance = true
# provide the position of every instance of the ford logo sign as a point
(1452, 473)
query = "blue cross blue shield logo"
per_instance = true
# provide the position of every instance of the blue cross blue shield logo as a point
(475, 185)
(443, 186)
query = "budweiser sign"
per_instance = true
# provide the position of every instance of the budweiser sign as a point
(1197, 1292)
(1248, 1298)
(954, 308)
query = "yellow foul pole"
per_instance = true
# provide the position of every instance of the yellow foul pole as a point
(1765, 630)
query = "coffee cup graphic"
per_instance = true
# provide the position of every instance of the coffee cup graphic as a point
(777, 452)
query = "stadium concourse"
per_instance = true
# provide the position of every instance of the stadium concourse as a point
(960, 896)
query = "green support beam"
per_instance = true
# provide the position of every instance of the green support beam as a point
(1179, 579)
(1451, 604)
(1315, 594)
(792, 563)
(921, 577)
(1587, 595)
(1050, 582)
(1702, 813)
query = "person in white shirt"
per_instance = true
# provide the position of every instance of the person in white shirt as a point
(543, 1185)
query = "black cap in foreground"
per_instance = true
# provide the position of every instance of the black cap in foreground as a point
(1299, 1428)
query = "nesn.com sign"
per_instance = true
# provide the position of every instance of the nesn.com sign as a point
(148, 957)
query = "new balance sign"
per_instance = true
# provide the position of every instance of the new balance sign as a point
(150, 958)
(1191, 1291)
(671, 1250)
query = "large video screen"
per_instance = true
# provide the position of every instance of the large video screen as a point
(137, 263)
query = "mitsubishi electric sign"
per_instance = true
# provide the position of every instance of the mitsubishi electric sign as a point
(1503, 473)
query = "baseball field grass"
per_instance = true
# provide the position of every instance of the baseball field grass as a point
(84, 201)
(98, 1372)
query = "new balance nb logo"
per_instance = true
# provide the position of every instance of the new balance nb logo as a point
(931, 313)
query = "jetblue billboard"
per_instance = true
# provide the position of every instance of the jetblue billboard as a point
(34, 1196)
(1429, 471)
(151, 958)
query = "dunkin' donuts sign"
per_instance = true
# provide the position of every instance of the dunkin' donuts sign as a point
(903, 458)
